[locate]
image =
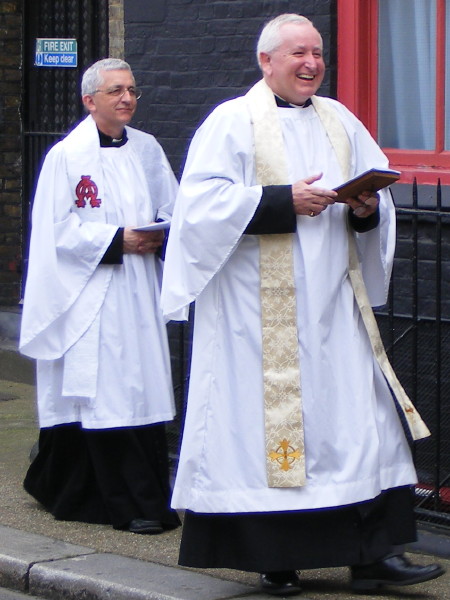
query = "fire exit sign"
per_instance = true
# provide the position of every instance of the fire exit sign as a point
(56, 52)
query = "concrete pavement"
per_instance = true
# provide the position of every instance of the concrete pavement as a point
(44, 558)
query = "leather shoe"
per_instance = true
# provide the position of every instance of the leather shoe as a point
(285, 583)
(394, 570)
(144, 526)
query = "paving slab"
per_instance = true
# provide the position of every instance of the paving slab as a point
(19, 550)
(106, 576)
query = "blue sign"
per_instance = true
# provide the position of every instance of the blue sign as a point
(56, 52)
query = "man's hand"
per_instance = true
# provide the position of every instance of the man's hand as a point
(141, 242)
(365, 204)
(310, 200)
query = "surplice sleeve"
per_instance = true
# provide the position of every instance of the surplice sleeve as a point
(275, 212)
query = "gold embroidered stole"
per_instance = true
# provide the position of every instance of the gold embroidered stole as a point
(285, 450)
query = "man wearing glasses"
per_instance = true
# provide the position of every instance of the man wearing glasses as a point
(91, 316)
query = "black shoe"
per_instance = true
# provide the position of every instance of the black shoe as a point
(284, 583)
(395, 570)
(144, 526)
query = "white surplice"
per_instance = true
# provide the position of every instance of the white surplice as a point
(97, 330)
(355, 445)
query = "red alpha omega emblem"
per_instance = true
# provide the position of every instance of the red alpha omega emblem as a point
(87, 190)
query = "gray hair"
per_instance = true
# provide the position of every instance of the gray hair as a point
(93, 79)
(270, 38)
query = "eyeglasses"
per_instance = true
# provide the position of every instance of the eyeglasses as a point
(119, 91)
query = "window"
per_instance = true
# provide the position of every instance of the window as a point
(393, 73)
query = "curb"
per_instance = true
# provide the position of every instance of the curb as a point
(53, 569)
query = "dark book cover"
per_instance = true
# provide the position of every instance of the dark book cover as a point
(371, 180)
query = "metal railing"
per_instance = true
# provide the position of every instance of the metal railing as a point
(416, 330)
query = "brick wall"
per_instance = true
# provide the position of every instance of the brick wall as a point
(189, 55)
(10, 152)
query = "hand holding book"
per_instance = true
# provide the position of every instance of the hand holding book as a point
(369, 181)
(359, 193)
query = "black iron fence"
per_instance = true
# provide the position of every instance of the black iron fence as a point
(416, 331)
(415, 327)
